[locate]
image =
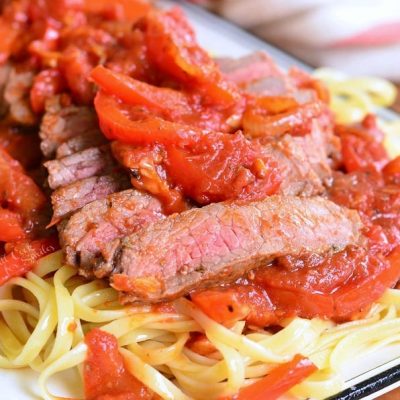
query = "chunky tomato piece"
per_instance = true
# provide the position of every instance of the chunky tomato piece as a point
(46, 84)
(367, 285)
(76, 65)
(378, 203)
(360, 154)
(172, 46)
(335, 287)
(391, 171)
(148, 173)
(169, 104)
(122, 10)
(19, 191)
(236, 302)
(222, 167)
(278, 381)
(11, 226)
(23, 257)
(139, 128)
(339, 287)
(134, 92)
(9, 35)
(105, 375)
(362, 146)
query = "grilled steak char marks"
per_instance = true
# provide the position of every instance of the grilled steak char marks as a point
(91, 232)
(222, 241)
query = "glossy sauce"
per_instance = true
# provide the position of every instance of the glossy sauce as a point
(105, 375)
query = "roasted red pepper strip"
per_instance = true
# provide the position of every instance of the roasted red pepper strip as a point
(23, 257)
(134, 92)
(115, 122)
(279, 380)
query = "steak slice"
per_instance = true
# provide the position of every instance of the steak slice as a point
(90, 232)
(81, 142)
(256, 73)
(303, 162)
(221, 242)
(84, 164)
(16, 95)
(72, 197)
(61, 123)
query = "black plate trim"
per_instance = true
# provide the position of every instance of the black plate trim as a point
(370, 386)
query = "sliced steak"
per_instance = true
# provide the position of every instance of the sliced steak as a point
(61, 123)
(317, 147)
(72, 197)
(256, 73)
(88, 235)
(303, 162)
(16, 95)
(222, 241)
(81, 142)
(84, 164)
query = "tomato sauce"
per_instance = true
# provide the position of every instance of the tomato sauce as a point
(105, 375)
(340, 286)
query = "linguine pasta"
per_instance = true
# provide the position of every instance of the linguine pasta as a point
(46, 314)
(353, 98)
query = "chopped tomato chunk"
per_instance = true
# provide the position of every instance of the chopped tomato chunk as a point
(172, 46)
(125, 10)
(8, 34)
(23, 257)
(222, 167)
(19, 192)
(46, 84)
(362, 147)
(11, 226)
(134, 92)
(116, 123)
(235, 303)
(391, 171)
(105, 376)
(148, 173)
(76, 65)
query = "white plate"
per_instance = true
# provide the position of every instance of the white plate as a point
(223, 39)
